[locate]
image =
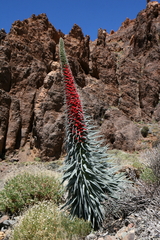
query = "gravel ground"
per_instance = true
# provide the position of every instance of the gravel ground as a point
(137, 213)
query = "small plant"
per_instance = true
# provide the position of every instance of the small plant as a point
(45, 221)
(37, 159)
(148, 175)
(152, 172)
(27, 189)
(90, 175)
(144, 131)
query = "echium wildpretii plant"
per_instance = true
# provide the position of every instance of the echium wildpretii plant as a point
(90, 177)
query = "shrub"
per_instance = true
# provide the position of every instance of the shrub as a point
(27, 189)
(45, 222)
(152, 171)
(37, 159)
(144, 131)
(148, 176)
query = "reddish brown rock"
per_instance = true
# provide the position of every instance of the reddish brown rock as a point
(14, 126)
(145, 50)
(77, 48)
(117, 76)
(27, 51)
(76, 32)
(156, 115)
(145, 28)
(48, 125)
(2, 34)
(5, 101)
(119, 131)
(5, 69)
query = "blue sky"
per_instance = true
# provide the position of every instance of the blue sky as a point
(88, 14)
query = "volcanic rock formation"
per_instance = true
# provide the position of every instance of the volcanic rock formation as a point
(118, 77)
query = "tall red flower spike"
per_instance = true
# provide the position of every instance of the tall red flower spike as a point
(88, 173)
(75, 115)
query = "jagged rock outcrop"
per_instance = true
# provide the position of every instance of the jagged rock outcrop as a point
(5, 102)
(48, 125)
(118, 77)
(26, 54)
(13, 137)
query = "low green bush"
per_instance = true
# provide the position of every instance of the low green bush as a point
(37, 159)
(27, 189)
(152, 171)
(148, 175)
(45, 222)
(144, 131)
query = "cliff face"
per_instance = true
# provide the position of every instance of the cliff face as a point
(118, 77)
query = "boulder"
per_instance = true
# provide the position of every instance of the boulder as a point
(119, 131)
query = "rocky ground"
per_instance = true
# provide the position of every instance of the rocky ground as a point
(134, 217)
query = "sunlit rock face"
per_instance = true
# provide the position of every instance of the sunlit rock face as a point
(117, 77)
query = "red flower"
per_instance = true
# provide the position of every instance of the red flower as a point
(75, 115)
